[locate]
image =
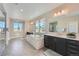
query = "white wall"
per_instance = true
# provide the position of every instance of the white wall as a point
(71, 16)
(11, 32)
(63, 22)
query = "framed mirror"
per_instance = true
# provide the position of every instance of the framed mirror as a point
(52, 26)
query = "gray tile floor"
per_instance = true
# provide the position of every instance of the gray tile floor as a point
(20, 47)
(2, 46)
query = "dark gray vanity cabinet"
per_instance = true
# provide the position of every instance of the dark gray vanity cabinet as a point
(63, 46)
(55, 43)
(72, 47)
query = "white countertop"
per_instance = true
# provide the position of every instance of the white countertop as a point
(62, 35)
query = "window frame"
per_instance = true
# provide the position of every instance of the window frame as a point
(39, 24)
(18, 28)
(2, 26)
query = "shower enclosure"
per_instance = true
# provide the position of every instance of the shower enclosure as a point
(2, 29)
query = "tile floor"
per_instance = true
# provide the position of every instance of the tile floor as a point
(20, 47)
(2, 46)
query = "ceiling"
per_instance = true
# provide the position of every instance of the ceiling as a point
(28, 10)
(1, 14)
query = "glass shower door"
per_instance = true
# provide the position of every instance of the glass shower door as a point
(2, 33)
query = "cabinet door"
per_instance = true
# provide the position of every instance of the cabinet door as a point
(46, 41)
(49, 42)
(52, 43)
(61, 46)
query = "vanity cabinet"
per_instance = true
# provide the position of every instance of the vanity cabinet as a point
(63, 46)
(55, 43)
(72, 47)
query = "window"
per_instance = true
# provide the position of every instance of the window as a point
(40, 26)
(18, 26)
(37, 26)
(2, 25)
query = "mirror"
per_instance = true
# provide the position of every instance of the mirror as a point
(52, 26)
(65, 24)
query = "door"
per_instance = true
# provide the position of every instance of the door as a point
(52, 43)
(49, 42)
(61, 46)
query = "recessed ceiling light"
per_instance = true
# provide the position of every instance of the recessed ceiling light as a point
(59, 13)
(55, 14)
(31, 23)
(21, 10)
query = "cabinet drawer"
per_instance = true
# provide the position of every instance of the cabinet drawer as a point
(73, 51)
(72, 54)
(73, 42)
(73, 47)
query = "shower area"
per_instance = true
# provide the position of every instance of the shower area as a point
(2, 29)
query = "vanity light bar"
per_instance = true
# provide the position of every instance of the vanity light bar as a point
(59, 13)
